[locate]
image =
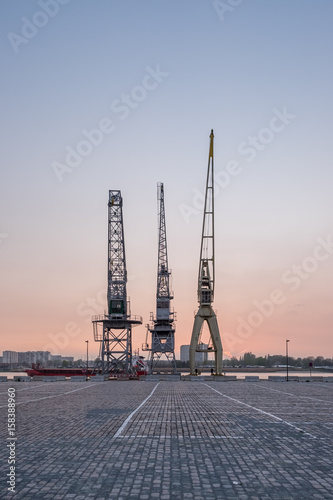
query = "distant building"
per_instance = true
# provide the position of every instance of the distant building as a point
(21, 357)
(185, 354)
(33, 357)
(70, 359)
(43, 356)
(30, 357)
(10, 357)
(56, 357)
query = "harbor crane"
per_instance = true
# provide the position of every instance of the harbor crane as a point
(161, 329)
(113, 329)
(206, 279)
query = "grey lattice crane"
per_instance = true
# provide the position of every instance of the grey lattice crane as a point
(114, 329)
(161, 330)
(206, 278)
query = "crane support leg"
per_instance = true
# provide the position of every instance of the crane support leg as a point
(206, 314)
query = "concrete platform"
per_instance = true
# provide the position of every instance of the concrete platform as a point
(161, 377)
(171, 440)
(226, 378)
(99, 378)
(21, 378)
(252, 378)
(276, 378)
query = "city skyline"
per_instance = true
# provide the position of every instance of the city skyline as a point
(106, 96)
(10, 359)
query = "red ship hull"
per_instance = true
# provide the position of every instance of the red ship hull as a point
(58, 372)
(37, 370)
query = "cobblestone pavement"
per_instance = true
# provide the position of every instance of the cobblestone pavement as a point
(171, 440)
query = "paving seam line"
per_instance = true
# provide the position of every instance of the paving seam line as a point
(37, 386)
(262, 411)
(295, 396)
(180, 438)
(55, 395)
(122, 427)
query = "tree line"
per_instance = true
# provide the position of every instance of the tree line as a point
(247, 359)
(269, 361)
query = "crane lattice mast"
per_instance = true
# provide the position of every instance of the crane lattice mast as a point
(206, 278)
(114, 329)
(162, 329)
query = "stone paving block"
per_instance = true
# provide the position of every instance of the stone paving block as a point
(21, 378)
(152, 378)
(99, 378)
(276, 378)
(226, 378)
(121, 377)
(3, 378)
(170, 377)
(172, 440)
(49, 379)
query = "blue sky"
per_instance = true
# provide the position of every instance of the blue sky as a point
(229, 74)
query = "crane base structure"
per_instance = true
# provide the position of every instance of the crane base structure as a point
(115, 336)
(206, 314)
(162, 348)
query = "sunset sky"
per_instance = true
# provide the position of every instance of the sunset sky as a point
(100, 95)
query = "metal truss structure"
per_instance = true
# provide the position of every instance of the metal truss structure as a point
(161, 329)
(114, 328)
(206, 279)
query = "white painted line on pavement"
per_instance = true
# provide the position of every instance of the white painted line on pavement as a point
(261, 411)
(25, 389)
(55, 395)
(298, 396)
(122, 427)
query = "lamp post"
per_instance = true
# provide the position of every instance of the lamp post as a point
(87, 374)
(287, 359)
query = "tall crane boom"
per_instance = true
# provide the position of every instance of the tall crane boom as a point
(162, 325)
(206, 278)
(206, 275)
(162, 270)
(114, 328)
(117, 272)
(163, 293)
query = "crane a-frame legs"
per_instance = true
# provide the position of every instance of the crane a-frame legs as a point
(206, 313)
